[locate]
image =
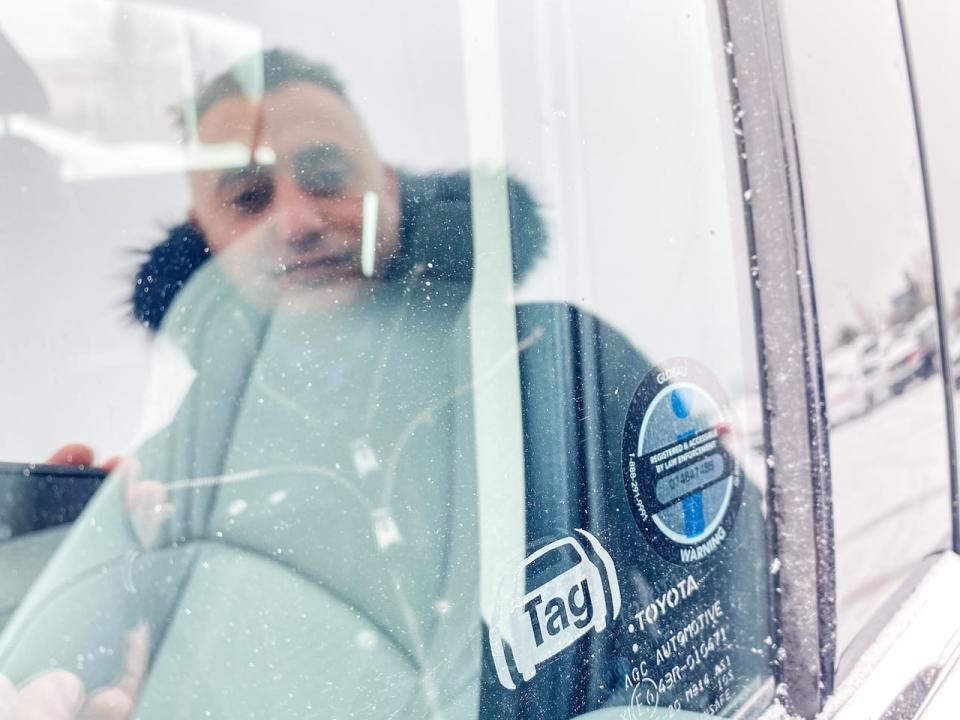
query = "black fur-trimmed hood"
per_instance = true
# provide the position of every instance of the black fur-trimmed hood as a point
(436, 241)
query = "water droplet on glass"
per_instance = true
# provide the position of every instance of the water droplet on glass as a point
(236, 507)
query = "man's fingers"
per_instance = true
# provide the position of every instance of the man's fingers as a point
(111, 463)
(80, 454)
(72, 454)
(56, 695)
(118, 701)
(144, 502)
(108, 704)
(59, 695)
(135, 660)
(147, 507)
(8, 697)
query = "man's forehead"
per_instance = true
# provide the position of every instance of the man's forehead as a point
(296, 108)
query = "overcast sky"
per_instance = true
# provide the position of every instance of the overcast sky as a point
(858, 150)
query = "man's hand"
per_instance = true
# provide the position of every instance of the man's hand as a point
(82, 455)
(144, 501)
(60, 695)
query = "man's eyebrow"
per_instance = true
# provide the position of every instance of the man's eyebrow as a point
(325, 152)
(232, 176)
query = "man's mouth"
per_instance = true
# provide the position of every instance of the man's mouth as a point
(324, 269)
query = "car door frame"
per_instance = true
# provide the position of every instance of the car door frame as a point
(915, 638)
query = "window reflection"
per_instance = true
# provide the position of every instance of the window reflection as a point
(931, 25)
(873, 276)
(349, 406)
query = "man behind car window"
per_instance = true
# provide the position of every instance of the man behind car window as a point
(335, 295)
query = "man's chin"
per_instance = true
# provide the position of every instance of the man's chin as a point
(305, 291)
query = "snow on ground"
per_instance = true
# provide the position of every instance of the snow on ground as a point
(891, 499)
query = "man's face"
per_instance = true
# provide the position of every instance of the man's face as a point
(306, 208)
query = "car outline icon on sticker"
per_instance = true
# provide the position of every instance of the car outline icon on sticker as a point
(536, 625)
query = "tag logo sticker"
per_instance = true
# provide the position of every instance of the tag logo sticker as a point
(576, 590)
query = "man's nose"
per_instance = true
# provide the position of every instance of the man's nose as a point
(296, 213)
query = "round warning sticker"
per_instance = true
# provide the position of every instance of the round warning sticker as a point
(679, 465)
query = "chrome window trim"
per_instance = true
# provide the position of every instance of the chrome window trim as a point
(946, 364)
(900, 672)
(913, 645)
(796, 429)
(793, 393)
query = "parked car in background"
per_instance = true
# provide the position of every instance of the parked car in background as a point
(871, 364)
(849, 390)
(904, 361)
(480, 359)
(926, 328)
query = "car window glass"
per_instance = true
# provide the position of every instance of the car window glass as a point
(873, 278)
(648, 236)
(435, 380)
(931, 25)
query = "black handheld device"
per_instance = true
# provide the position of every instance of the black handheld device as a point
(35, 496)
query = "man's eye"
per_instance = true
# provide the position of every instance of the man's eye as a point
(254, 199)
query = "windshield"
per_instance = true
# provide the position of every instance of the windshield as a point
(440, 398)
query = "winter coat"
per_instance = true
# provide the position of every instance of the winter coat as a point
(325, 545)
